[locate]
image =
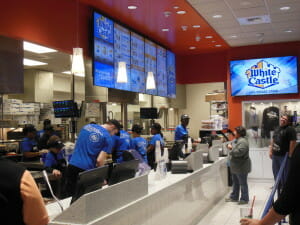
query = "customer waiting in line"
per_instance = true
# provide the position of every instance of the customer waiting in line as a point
(139, 143)
(157, 136)
(240, 166)
(289, 200)
(283, 141)
(20, 199)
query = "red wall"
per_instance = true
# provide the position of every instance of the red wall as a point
(48, 22)
(201, 68)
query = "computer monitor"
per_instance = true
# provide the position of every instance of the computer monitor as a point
(123, 171)
(90, 180)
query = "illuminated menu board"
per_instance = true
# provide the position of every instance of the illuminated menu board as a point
(171, 74)
(161, 75)
(137, 79)
(150, 63)
(122, 54)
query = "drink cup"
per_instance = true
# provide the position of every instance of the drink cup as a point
(245, 212)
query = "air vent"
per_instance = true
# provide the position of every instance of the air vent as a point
(254, 20)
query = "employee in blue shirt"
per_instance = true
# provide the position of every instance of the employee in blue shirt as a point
(157, 136)
(93, 144)
(122, 143)
(29, 145)
(181, 132)
(46, 123)
(138, 143)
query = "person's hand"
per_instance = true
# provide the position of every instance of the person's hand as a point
(249, 222)
(43, 151)
(229, 146)
(270, 154)
(56, 173)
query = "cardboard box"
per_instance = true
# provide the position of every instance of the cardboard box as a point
(215, 97)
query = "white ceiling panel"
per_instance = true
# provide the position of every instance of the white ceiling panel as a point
(257, 28)
(230, 10)
(211, 7)
(244, 4)
(258, 11)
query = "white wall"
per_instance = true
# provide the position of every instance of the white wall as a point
(196, 107)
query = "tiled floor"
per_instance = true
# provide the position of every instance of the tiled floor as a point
(228, 213)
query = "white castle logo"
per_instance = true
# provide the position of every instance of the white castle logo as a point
(263, 75)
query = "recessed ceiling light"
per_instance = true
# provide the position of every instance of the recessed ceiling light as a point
(27, 46)
(233, 36)
(192, 47)
(113, 104)
(213, 41)
(66, 72)
(30, 62)
(196, 26)
(132, 7)
(285, 8)
(184, 27)
(181, 12)
(217, 16)
(245, 3)
(197, 38)
(176, 7)
(208, 37)
(288, 31)
(218, 45)
(165, 29)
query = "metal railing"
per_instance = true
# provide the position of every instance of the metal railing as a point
(280, 179)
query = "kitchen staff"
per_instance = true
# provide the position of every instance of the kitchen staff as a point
(122, 143)
(181, 132)
(157, 136)
(29, 144)
(139, 143)
(93, 144)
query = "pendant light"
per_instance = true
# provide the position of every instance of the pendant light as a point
(77, 67)
(122, 73)
(150, 83)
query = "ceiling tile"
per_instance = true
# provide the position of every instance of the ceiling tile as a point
(243, 42)
(225, 24)
(275, 8)
(275, 18)
(284, 25)
(195, 2)
(272, 2)
(245, 4)
(211, 7)
(230, 31)
(258, 11)
(256, 28)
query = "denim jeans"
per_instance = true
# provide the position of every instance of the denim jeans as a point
(276, 163)
(239, 181)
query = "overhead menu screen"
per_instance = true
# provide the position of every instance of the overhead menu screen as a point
(122, 54)
(171, 74)
(161, 75)
(150, 63)
(103, 66)
(137, 78)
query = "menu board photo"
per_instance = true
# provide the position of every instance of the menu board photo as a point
(171, 73)
(103, 65)
(137, 59)
(122, 54)
(161, 74)
(150, 63)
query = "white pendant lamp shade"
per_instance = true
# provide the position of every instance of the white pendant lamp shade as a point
(122, 73)
(150, 83)
(77, 62)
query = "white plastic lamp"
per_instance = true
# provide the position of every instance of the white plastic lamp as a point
(77, 62)
(150, 83)
(122, 73)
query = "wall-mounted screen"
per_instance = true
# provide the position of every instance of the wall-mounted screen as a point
(171, 74)
(264, 76)
(148, 113)
(117, 48)
(122, 54)
(161, 73)
(137, 79)
(66, 108)
(150, 63)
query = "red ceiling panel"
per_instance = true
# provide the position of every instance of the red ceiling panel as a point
(149, 19)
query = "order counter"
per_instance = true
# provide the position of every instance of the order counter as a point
(177, 199)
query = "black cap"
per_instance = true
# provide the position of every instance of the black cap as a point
(137, 128)
(156, 126)
(28, 128)
(184, 116)
(116, 123)
(55, 144)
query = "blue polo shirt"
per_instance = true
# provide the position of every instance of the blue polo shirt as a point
(28, 145)
(92, 139)
(157, 137)
(122, 143)
(140, 145)
(180, 131)
(53, 159)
